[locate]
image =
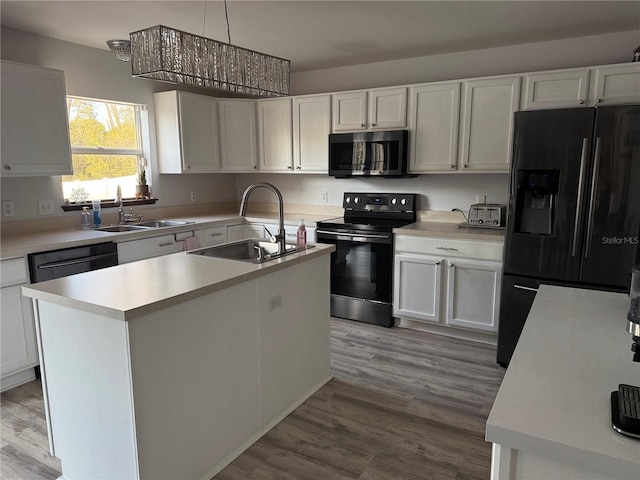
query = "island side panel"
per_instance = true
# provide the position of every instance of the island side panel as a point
(293, 311)
(86, 365)
(195, 383)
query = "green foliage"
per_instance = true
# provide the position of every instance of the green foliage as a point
(106, 125)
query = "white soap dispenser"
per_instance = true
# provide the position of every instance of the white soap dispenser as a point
(301, 236)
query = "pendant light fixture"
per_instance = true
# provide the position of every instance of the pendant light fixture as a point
(170, 55)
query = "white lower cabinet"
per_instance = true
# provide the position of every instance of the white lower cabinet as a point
(455, 283)
(19, 352)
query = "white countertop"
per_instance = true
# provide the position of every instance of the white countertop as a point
(131, 290)
(451, 230)
(14, 246)
(554, 400)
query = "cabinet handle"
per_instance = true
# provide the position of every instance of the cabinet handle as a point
(464, 165)
(7, 167)
(522, 287)
(582, 102)
(289, 167)
(298, 167)
(255, 167)
(166, 244)
(447, 248)
(437, 263)
(452, 166)
(452, 265)
(600, 100)
(363, 125)
(216, 234)
(374, 124)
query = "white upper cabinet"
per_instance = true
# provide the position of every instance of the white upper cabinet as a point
(616, 84)
(434, 120)
(187, 132)
(35, 128)
(567, 88)
(379, 109)
(238, 138)
(487, 123)
(311, 129)
(275, 142)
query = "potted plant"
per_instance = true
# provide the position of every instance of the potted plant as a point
(142, 189)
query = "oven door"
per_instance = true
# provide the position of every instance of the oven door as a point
(361, 274)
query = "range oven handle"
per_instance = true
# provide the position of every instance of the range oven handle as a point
(74, 261)
(362, 237)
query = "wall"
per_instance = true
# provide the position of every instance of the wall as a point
(92, 72)
(96, 73)
(574, 52)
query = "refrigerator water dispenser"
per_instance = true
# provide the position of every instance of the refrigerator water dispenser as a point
(536, 199)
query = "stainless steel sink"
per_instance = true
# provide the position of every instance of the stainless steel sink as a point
(247, 251)
(162, 223)
(120, 228)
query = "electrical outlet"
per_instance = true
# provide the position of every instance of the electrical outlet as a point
(193, 196)
(481, 199)
(45, 207)
(325, 197)
(275, 302)
(7, 208)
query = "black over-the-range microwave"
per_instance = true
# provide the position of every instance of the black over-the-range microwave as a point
(382, 154)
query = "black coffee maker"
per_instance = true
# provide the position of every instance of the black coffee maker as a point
(625, 403)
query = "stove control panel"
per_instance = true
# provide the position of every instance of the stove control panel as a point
(391, 202)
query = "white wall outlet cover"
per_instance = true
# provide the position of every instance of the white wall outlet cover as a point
(7, 208)
(481, 199)
(193, 196)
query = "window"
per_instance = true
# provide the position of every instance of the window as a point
(106, 149)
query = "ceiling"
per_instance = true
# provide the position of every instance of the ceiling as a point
(323, 34)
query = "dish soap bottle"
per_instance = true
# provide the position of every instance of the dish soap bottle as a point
(301, 237)
(85, 218)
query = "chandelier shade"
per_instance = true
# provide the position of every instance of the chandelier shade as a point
(170, 55)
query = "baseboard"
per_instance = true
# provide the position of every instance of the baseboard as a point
(17, 379)
(480, 337)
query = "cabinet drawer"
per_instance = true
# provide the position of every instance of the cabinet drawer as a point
(14, 272)
(213, 236)
(148, 248)
(447, 247)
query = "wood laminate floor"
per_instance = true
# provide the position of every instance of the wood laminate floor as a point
(402, 405)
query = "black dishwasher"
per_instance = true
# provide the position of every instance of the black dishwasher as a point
(69, 261)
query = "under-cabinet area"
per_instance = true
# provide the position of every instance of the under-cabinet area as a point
(448, 286)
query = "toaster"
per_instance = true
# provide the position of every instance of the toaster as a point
(487, 215)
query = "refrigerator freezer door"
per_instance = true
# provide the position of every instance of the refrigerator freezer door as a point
(613, 213)
(550, 170)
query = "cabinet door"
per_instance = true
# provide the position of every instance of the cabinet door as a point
(487, 123)
(274, 135)
(35, 128)
(19, 351)
(473, 294)
(417, 285)
(617, 84)
(350, 111)
(435, 116)
(198, 133)
(238, 138)
(555, 89)
(311, 129)
(388, 108)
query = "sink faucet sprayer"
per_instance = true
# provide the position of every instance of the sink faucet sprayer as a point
(280, 237)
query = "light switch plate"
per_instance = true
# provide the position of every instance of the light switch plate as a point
(45, 207)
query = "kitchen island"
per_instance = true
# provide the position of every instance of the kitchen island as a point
(171, 367)
(551, 418)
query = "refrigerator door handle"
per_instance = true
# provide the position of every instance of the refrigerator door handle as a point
(583, 172)
(522, 287)
(592, 199)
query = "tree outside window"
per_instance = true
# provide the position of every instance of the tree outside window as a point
(106, 149)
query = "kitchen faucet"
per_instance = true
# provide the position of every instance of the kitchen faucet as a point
(280, 237)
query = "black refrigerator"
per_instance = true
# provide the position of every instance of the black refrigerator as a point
(574, 207)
